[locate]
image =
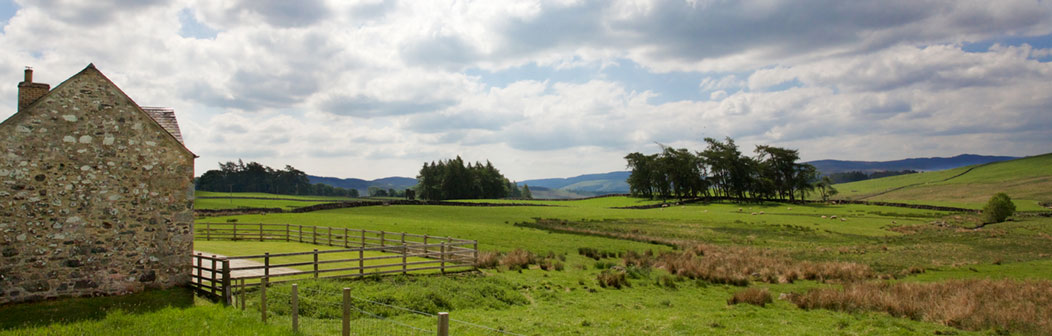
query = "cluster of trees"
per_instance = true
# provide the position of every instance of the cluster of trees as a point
(255, 177)
(722, 170)
(852, 176)
(452, 179)
(381, 192)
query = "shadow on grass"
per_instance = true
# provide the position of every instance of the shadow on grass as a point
(67, 310)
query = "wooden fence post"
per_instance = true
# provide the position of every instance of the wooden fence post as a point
(426, 250)
(208, 231)
(403, 238)
(200, 267)
(314, 234)
(405, 253)
(260, 231)
(361, 261)
(443, 324)
(213, 270)
(287, 233)
(315, 263)
(363, 238)
(346, 244)
(263, 298)
(443, 258)
(242, 293)
(295, 309)
(301, 232)
(346, 311)
(475, 253)
(329, 242)
(266, 264)
(227, 295)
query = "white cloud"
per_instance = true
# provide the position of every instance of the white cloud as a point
(373, 88)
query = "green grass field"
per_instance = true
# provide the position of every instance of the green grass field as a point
(222, 200)
(1028, 181)
(903, 245)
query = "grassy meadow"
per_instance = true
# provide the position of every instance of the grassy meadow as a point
(222, 200)
(584, 268)
(1026, 180)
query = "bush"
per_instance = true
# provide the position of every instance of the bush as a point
(998, 208)
(753, 296)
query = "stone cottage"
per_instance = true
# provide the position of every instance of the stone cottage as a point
(96, 193)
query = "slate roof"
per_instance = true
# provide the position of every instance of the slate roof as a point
(166, 117)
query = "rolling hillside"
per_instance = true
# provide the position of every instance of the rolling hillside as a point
(397, 183)
(919, 164)
(579, 186)
(1028, 181)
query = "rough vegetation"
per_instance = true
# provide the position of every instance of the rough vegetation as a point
(754, 296)
(973, 304)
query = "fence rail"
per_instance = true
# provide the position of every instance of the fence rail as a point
(360, 253)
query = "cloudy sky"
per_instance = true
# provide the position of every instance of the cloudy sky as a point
(371, 89)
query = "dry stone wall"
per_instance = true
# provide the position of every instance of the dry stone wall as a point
(95, 197)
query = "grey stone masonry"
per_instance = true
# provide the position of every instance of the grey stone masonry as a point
(96, 197)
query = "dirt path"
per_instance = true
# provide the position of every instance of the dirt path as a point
(241, 263)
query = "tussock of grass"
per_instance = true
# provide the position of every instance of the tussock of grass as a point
(518, 259)
(1019, 306)
(754, 296)
(738, 265)
(596, 253)
(614, 277)
(488, 259)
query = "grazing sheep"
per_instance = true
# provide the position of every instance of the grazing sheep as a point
(832, 217)
(843, 220)
(739, 209)
(823, 217)
(754, 214)
(789, 208)
(761, 212)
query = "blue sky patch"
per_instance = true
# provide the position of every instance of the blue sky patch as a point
(1038, 42)
(190, 27)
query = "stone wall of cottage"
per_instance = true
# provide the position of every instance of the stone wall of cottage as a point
(95, 198)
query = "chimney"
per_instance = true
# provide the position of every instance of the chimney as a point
(29, 92)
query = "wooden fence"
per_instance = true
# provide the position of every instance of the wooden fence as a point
(360, 253)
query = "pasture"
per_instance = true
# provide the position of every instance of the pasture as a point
(560, 292)
(1026, 180)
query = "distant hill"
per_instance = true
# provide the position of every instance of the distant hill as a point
(919, 164)
(579, 186)
(396, 183)
(1027, 180)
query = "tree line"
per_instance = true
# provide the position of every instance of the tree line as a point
(255, 177)
(722, 170)
(452, 179)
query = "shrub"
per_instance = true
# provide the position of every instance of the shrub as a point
(998, 208)
(754, 296)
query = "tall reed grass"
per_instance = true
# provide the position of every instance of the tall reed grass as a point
(972, 304)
